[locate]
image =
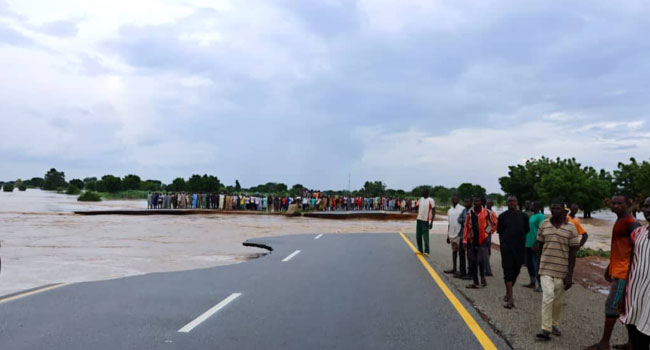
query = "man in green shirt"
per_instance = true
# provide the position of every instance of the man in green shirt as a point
(532, 260)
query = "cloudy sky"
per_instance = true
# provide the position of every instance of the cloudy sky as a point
(408, 92)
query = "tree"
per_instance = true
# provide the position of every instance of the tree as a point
(521, 179)
(151, 185)
(296, 190)
(8, 187)
(178, 185)
(417, 190)
(77, 183)
(53, 180)
(195, 183)
(211, 184)
(131, 182)
(373, 189)
(109, 183)
(469, 190)
(237, 186)
(35, 182)
(497, 198)
(442, 194)
(572, 183)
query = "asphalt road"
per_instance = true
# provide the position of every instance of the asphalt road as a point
(357, 291)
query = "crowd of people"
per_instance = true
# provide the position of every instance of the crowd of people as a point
(548, 247)
(316, 201)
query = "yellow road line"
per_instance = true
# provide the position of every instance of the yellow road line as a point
(26, 294)
(469, 320)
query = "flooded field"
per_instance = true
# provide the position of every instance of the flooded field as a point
(43, 242)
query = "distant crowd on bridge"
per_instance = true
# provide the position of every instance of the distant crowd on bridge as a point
(307, 201)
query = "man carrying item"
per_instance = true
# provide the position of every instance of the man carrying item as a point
(575, 221)
(619, 263)
(479, 225)
(557, 244)
(462, 266)
(635, 304)
(426, 214)
(532, 260)
(513, 227)
(453, 230)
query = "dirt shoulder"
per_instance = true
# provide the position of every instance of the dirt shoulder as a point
(583, 306)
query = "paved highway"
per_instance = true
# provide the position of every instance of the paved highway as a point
(353, 291)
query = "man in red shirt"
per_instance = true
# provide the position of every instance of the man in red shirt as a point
(619, 263)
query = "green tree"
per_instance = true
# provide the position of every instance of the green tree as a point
(521, 179)
(571, 182)
(178, 185)
(131, 182)
(442, 194)
(417, 190)
(53, 180)
(109, 183)
(497, 198)
(8, 187)
(77, 183)
(211, 184)
(296, 190)
(373, 189)
(35, 182)
(469, 190)
(195, 183)
(151, 185)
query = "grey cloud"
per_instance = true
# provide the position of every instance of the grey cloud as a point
(66, 28)
(9, 36)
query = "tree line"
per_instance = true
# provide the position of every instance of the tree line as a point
(545, 179)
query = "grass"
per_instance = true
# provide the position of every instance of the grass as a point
(585, 252)
(131, 194)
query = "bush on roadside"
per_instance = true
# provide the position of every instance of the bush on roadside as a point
(22, 187)
(585, 252)
(8, 187)
(72, 189)
(89, 196)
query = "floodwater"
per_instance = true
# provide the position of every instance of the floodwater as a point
(44, 242)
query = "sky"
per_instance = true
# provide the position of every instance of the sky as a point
(320, 93)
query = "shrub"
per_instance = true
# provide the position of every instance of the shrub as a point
(72, 189)
(585, 252)
(22, 187)
(89, 196)
(8, 187)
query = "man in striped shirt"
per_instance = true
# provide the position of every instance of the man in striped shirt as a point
(558, 241)
(635, 305)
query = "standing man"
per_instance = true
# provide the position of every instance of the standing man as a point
(462, 253)
(635, 304)
(488, 252)
(557, 244)
(513, 227)
(573, 218)
(453, 230)
(479, 225)
(532, 259)
(426, 214)
(619, 263)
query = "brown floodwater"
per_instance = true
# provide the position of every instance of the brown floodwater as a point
(44, 242)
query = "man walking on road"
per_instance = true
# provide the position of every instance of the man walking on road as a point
(557, 244)
(453, 230)
(532, 258)
(479, 225)
(635, 304)
(619, 263)
(426, 214)
(513, 227)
